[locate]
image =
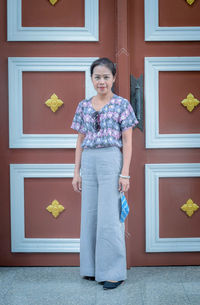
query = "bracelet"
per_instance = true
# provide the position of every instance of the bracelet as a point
(126, 177)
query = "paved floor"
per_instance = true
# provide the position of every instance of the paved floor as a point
(64, 286)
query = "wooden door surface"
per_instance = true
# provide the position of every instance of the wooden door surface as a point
(45, 54)
(166, 156)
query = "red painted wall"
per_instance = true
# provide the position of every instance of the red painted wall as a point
(43, 13)
(173, 194)
(38, 195)
(174, 88)
(178, 13)
(37, 117)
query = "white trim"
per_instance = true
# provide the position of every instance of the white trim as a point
(16, 65)
(152, 67)
(152, 174)
(18, 241)
(154, 32)
(16, 32)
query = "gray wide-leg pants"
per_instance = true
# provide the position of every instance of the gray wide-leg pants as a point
(102, 241)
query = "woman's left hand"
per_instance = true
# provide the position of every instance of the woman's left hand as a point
(124, 184)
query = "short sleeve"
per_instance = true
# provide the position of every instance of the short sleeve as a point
(127, 117)
(78, 122)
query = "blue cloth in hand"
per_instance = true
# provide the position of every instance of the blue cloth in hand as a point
(124, 207)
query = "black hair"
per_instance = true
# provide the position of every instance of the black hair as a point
(104, 61)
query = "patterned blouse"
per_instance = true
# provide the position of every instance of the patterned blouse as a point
(114, 117)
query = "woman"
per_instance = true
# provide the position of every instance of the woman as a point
(104, 124)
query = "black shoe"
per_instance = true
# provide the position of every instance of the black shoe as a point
(89, 278)
(101, 283)
(111, 285)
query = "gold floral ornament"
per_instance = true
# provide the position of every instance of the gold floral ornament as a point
(190, 102)
(53, 2)
(55, 208)
(189, 207)
(190, 2)
(54, 103)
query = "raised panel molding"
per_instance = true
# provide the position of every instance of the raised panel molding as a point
(154, 32)
(18, 241)
(16, 66)
(152, 174)
(152, 67)
(16, 32)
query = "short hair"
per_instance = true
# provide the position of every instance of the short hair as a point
(104, 61)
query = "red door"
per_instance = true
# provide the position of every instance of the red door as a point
(165, 167)
(45, 58)
(47, 63)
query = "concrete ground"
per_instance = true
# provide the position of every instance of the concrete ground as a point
(64, 286)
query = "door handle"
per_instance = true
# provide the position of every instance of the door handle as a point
(136, 99)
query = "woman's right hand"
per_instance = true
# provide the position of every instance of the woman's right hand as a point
(77, 183)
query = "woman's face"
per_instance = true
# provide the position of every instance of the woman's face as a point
(102, 79)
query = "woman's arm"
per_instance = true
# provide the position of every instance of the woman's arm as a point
(124, 183)
(76, 182)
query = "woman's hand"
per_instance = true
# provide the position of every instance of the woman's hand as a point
(77, 183)
(124, 184)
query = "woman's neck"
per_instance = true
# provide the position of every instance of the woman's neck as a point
(104, 97)
(99, 101)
